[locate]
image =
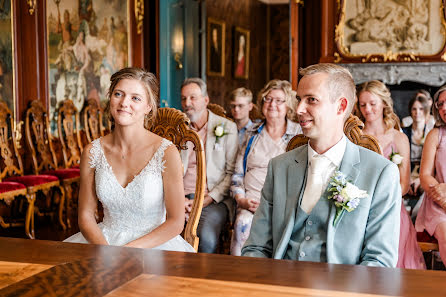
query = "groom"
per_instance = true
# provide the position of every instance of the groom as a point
(295, 219)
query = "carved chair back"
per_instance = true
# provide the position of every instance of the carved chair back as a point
(68, 130)
(352, 129)
(218, 110)
(93, 120)
(11, 162)
(38, 138)
(255, 113)
(174, 125)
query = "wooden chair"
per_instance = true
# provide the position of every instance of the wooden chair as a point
(40, 144)
(255, 114)
(352, 129)
(174, 125)
(92, 116)
(428, 244)
(218, 110)
(68, 131)
(12, 171)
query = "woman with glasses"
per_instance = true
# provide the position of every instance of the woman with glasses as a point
(263, 141)
(432, 214)
(376, 111)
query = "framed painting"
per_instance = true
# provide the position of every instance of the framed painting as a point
(390, 31)
(7, 61)
(84, 50)
(241, 53)
(215, 48)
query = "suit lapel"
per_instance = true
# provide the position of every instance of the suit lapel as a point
(349, 167)
(210, 139)
(296, 179)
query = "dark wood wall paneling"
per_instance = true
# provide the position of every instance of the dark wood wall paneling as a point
(279, 41)
(251, 15)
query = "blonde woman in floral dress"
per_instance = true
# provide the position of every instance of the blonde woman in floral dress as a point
(376, 111)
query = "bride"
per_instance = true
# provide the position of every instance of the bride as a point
(132, 172)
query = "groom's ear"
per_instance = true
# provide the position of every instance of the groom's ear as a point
(343, 104)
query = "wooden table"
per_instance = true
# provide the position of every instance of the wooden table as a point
(47, 268)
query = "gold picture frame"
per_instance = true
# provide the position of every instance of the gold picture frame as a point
(241, 53)
(8, 57)
(390, 31)
(215, 49)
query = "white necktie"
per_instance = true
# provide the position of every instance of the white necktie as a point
(315, 180)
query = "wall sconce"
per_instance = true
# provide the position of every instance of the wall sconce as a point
(178, 46)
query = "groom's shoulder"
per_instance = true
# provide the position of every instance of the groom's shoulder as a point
(372, 159)
(290, 156)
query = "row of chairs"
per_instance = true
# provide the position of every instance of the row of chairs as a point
(53, 185)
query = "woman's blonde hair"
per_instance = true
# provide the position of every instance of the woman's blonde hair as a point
(285, 87)
(380, 90)
(438, 120)
(148, 80)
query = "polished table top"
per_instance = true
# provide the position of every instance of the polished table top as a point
(38, 268)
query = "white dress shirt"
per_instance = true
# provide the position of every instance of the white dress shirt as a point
(320, 170)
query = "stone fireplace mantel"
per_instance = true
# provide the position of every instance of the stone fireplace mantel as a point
(432, 74)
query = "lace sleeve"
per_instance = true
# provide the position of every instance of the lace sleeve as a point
(160, 153)
(95, 153)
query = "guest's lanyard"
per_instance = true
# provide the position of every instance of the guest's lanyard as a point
(248, 147)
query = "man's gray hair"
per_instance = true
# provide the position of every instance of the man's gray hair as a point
(199, 82)
(339, 82)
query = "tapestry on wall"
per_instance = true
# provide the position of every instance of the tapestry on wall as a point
(87, 43)
(6, 55)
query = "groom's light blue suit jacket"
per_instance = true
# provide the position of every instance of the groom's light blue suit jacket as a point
(369, 235)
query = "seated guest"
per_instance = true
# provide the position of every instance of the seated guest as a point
(430, 121)
(131, 171)
(220, 140)
(419, 110)
(241, 104)
(263, 141)
(432, 214)
(299, 216)
(376, 111)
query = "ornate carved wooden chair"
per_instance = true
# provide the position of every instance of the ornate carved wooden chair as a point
(352, 129)
(93, 120)
(174, 125)
(68, 131)
(12, 171)
(218, 110)
(255, 114)
(40, 144)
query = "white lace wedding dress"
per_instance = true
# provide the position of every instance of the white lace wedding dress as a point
(135, 210)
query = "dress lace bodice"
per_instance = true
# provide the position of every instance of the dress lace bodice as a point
(135, 206)
(135, 210)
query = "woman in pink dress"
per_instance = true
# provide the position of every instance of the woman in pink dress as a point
(432, 214)
(376, 111)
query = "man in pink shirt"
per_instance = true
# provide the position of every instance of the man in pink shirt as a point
(220, 149)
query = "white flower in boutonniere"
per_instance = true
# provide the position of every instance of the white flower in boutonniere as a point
(346, 196)
(396, 158)
(219, 132)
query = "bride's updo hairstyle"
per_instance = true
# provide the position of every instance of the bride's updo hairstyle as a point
(148, 80)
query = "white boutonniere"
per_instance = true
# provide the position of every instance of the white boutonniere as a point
(219, 132)
(396, 158)
(346, 196)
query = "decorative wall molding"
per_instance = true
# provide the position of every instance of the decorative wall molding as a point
(432, 74)
(139, 15)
